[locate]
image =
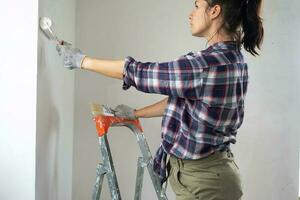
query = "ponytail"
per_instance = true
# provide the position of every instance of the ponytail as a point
(253, 30)
(242, 20)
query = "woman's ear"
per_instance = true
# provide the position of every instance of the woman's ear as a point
(215, 11)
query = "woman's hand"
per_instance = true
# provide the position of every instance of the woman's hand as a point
(72, 57)
(125, 111)
(75, 59)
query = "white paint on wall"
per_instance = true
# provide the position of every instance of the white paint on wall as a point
(18, 70)
(55, 106)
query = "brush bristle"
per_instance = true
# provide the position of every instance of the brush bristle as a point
(96, 109)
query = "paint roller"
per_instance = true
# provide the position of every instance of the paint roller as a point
(45, 26)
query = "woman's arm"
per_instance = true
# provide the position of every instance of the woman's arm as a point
(110, 68)
(114, 69)
(181, 77)
(154, 110)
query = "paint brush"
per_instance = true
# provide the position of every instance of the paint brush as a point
(101, 110)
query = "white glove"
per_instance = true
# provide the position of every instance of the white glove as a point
(72, 57)
(125, 111)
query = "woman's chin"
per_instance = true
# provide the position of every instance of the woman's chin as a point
(194, 34)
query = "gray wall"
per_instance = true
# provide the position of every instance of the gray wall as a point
(267, 143)
(55, 107)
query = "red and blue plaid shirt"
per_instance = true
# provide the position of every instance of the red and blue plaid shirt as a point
(205, 107)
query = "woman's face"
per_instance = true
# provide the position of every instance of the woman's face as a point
(199, 20)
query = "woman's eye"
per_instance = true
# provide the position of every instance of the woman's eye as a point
(196, 4)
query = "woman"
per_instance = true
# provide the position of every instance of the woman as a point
(205, 104)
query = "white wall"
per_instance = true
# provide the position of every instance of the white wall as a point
(55, 107)
(267, 143)
(18, 55)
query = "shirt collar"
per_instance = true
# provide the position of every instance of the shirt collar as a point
(224, 45)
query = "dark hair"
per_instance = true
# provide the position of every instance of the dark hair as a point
(241, 18)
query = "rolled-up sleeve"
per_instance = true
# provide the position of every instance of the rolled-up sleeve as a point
(182, 77)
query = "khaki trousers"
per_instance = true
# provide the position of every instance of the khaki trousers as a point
(215, 177)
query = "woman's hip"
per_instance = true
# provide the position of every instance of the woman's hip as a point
(215, 177)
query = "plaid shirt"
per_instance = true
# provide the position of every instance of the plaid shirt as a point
(205, 107)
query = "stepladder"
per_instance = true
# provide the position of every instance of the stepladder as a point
(105, 118)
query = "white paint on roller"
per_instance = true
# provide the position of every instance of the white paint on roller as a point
(45, 25)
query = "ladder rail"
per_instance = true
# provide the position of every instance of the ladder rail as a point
(139, 179)
(107, 167)
(99, 181)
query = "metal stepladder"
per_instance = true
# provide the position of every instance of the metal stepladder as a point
(104, 118)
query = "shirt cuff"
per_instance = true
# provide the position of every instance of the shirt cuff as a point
(128, 73)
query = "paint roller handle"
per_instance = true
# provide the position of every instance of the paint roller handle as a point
(65, 43)
(61, 46)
